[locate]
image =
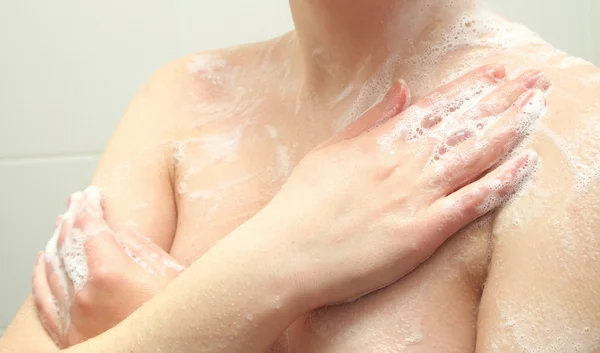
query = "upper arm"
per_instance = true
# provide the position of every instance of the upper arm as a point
(135, 171)
(544, 282)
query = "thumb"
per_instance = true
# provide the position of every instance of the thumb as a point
(395, 101)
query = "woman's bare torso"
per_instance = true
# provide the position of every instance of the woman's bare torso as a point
(243, 122)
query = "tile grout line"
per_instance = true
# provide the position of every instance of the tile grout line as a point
(20, 160)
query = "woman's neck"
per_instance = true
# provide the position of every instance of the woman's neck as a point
(342, 43)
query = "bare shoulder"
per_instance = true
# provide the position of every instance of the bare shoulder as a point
(567, 139)
(179, 97)
(138, 168)
(543, 279)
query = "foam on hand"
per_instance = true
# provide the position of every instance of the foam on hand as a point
(69, 263)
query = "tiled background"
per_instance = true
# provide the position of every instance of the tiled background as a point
(69, 68)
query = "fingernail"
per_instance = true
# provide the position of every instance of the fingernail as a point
(527, 168)
(497, 72)
(430, 121)
(459, 137)
(39, 257)
(537, 80)
(396, 100)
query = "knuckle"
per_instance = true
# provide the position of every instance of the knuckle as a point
(413, 245)
(487, 108)
(104, 276)
(385, 166)
(83, 301)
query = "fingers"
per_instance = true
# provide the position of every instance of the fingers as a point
(58, 283)
(63, 267)
(90, 218)
(444, 101)
(475, 200)
(82, 221)
(56, 274)
(104, 243)
(76, 201)
(59, 287)
(45, 301)
(502, 99)
(53, 281)
(426, 115)
(151, 256)
(94, 200)
(95, 240)
(395, 101)
(476, 155)
(67, 251)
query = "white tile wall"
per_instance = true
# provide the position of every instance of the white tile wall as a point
(563, 23)
(68, 70)
(594, 11)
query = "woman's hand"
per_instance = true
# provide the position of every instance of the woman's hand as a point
(81, 296)
(365, 208)
(358, 213)
(91, 278)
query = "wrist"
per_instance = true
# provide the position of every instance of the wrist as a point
(234, 296)
(272, 241)
(258, 253)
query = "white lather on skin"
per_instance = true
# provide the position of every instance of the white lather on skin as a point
(248, 117)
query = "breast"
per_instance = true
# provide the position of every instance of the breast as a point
(442, 295)
(223, 178)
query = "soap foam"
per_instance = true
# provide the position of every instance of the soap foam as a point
(369, 94)
(73, 251)
(533, 331)
(499, 199)
(70, 262)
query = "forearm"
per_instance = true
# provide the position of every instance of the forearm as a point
(234, 299)
(237, 297)
(26, 334)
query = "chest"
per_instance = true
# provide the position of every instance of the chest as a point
(230, 168)
(227, 174)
